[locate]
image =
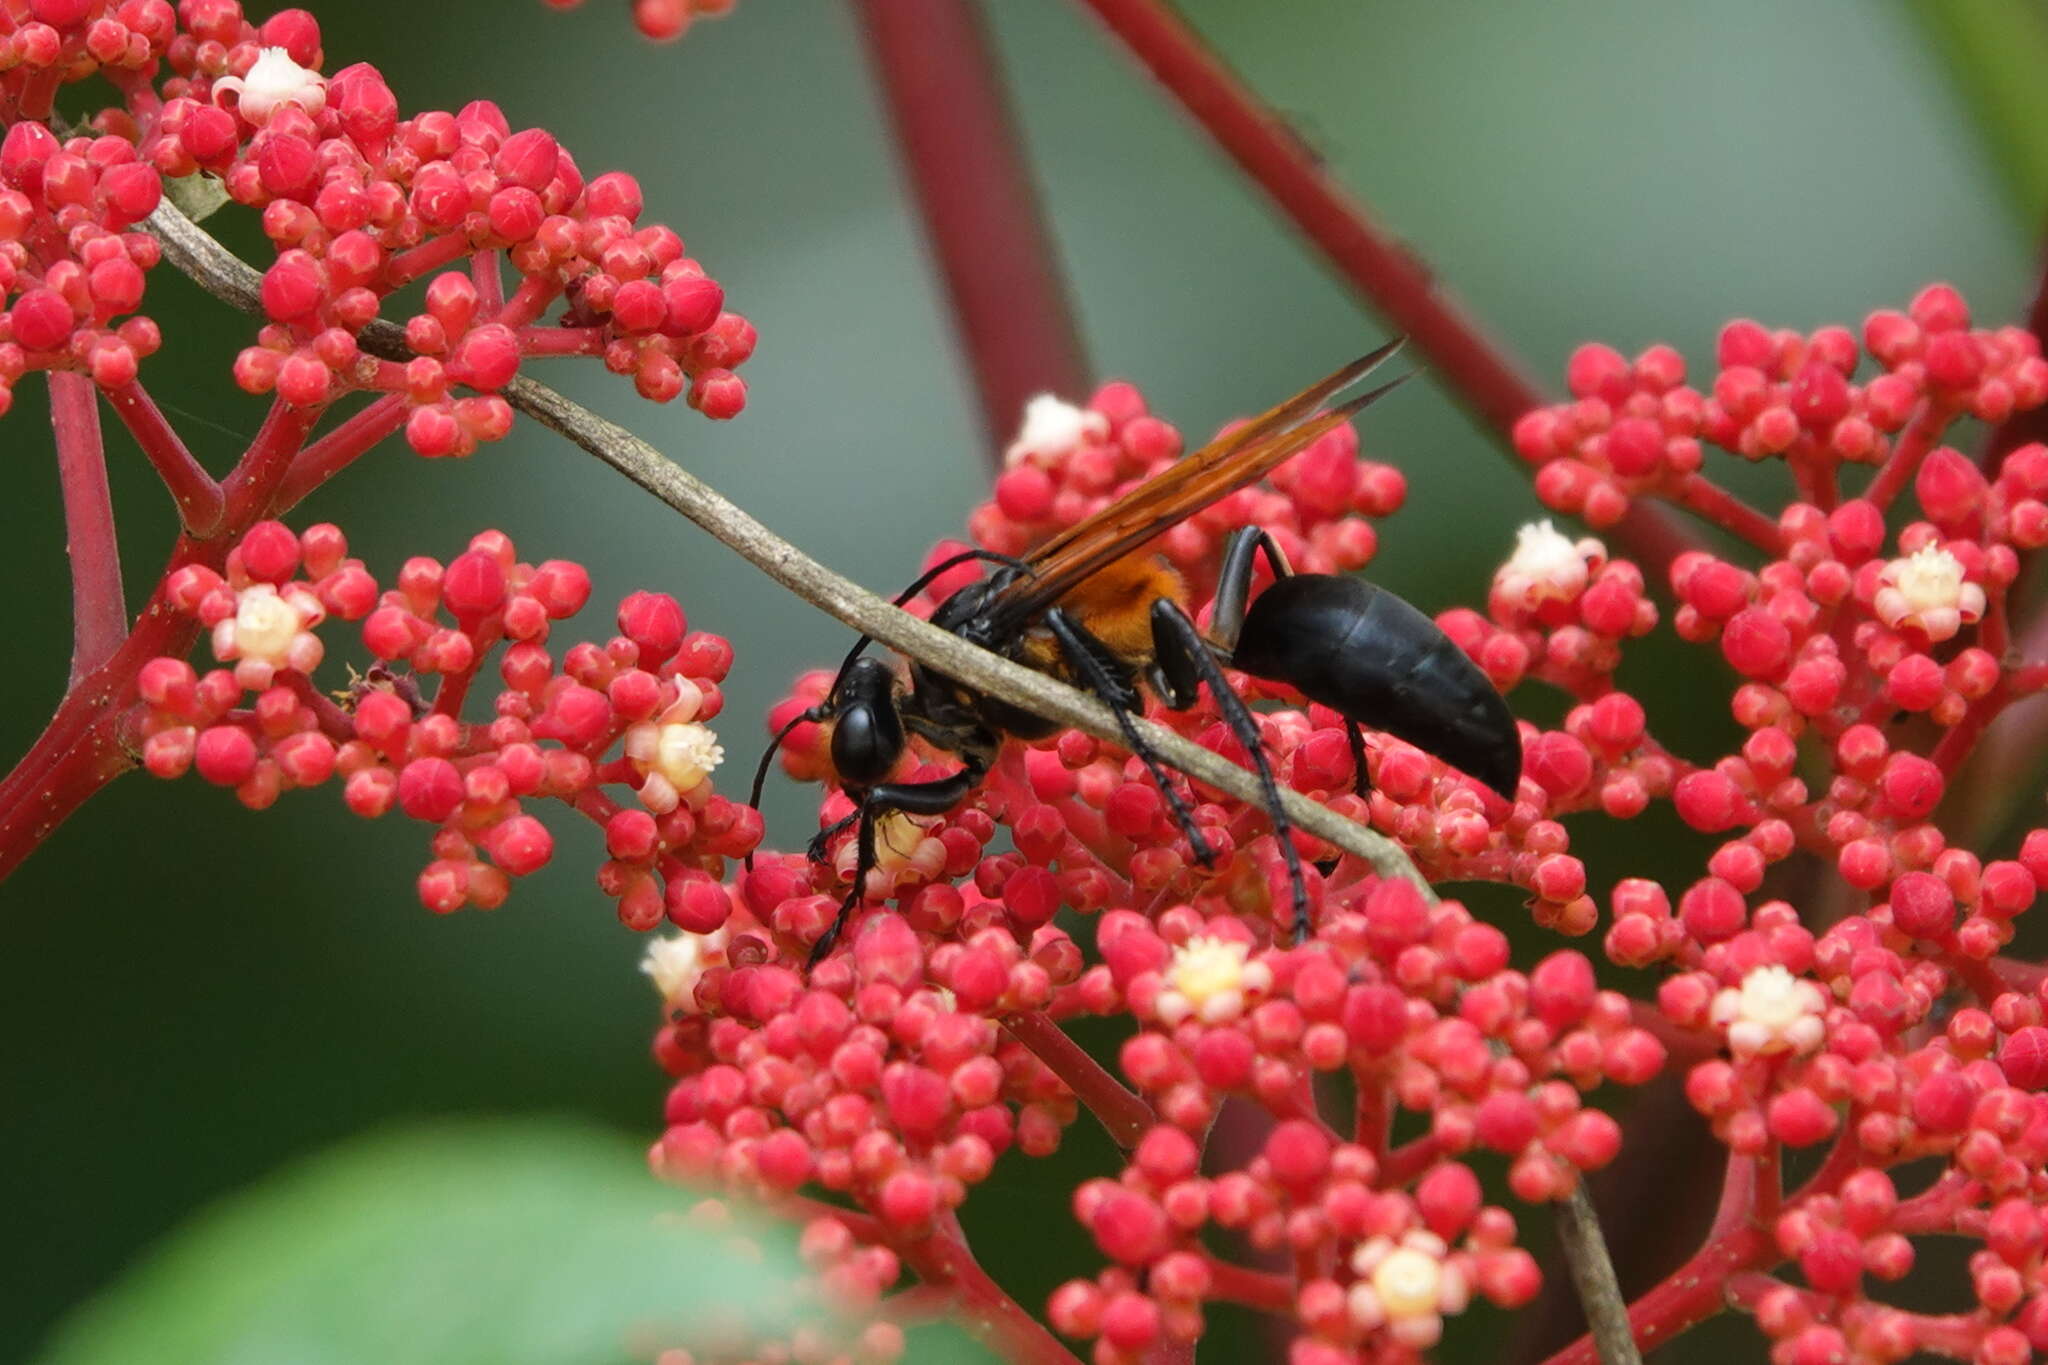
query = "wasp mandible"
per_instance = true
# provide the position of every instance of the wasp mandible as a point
(1094, 607)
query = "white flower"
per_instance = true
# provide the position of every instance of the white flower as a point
(904, 850)
(270, 630)
(677, 964)
(1546, 566)
(1054, 427)
(1772, 1011)
(1926, 589)
(1209, 978)
(274, 80)
(673, 753)
(1406, 1287)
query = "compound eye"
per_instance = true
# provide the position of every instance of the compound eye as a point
(866, 743)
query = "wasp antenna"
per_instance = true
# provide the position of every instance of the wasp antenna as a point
(761, 771)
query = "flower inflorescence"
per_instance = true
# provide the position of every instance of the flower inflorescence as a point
(396, 737)
(1860, 1008)
(357, 200)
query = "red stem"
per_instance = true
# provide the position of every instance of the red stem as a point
(554, 341)
(83, 747)
(430, 255)
(1260, 1289)
(99, 608)
(341, 447)
(1373, 1115)
(1730, 513)
(985, 1309)
(196, 492)
(1904, 461)
(1125, 1116)
(973, 187)
(1380, 269)
(1686, 1297)
(528, 301)
(489, 281)
(1377, 266)
(261, 472)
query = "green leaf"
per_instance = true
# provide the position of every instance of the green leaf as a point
(197, 196)
(1997, 51)
(500, 1243)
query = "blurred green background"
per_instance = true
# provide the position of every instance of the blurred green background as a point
(195, 994)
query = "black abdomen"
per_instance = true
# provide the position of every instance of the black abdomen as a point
(1362, 651)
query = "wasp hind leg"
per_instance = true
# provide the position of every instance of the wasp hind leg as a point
(1185, 661)
(1089, 657)
(915, 798)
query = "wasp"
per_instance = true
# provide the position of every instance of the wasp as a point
(1094, 607)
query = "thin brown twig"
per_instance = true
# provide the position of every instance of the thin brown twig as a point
(1585, 1252)
(193, 251)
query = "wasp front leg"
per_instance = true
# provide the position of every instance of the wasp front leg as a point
(913, 798)
(1184, 661)
(1097, 670)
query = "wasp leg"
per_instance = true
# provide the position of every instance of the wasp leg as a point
(1090, 659)
(816, 851)
(1185, 657)
(1234, 582)
(917, 798)
(1361, 780)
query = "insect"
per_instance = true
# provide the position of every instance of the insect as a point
(1095, 608)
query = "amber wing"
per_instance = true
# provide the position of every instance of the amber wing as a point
(1218, 469)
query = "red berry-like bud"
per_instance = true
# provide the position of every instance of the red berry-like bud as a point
(1756, 643)
(1923, 906)
(225, 755)
(1912, 786)
(1298, 1152)
(430, 789)
(42, 320)
(655, 622)
(692, 303)
(521, 845)
(1505, 1122)
(2024, 1058)
(1129, 1227)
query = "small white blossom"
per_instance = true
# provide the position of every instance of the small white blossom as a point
(270, 630)
(1546, 566)
(1054, 427)
(673, 757)
(1209, 979)
(904, 849)
(274, 80)
(1926, 589)
(1406, 1287)
(677, 964)
(1771, 1011)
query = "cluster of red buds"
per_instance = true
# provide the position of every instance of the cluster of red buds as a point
(517, 255)
(1874, 1021)
(357, 201)
(396, 737)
